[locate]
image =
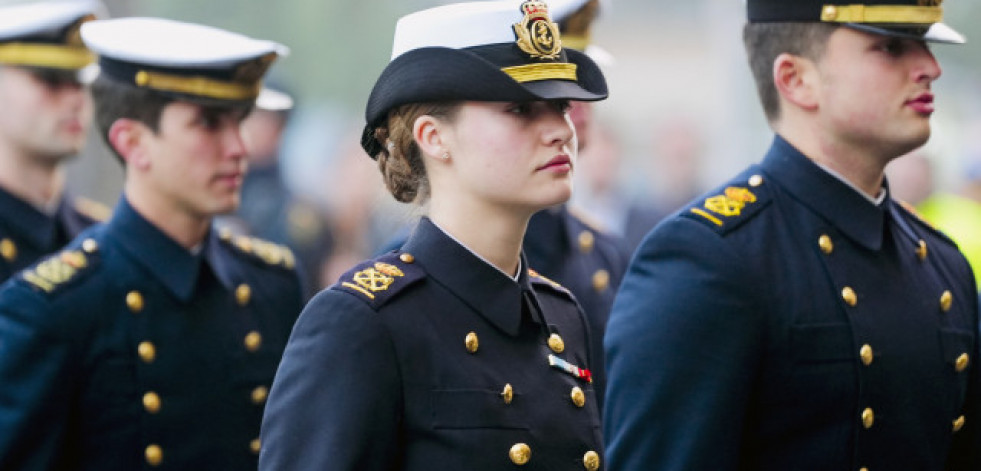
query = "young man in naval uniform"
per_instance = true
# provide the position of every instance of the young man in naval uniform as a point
(151, 340)
(798, 317)
(45, 114)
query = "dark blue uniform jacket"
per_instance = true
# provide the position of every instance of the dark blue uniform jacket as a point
(784, 322)
(124, 351)
(432, 359)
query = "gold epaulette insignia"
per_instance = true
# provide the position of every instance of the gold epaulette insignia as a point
(56, 270)
(374, 279)
(92, 209)
(273, 254)
(729, 204)
(304, 224)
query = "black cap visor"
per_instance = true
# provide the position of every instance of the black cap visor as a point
(936, 33)
(439, 74)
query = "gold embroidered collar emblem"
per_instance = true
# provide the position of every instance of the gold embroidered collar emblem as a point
(537, 34)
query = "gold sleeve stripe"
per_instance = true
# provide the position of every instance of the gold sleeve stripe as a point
(897, 14)
(358, 289)
(544, 71)
(45, 55)
(200, 86)
(706, 215)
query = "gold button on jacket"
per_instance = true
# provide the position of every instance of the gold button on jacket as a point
(520, 454)
(472, 342)
(591, 461)
(134, 300)
(556, 343)
(154, 455)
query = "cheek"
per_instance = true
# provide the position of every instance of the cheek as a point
(18, 108)
(857, 98)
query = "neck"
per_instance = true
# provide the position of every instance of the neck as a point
(35, 180)
(862, 167)
(493, 233)
(185, 228)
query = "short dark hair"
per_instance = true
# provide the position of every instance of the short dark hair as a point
(765, 41)
(114, 100)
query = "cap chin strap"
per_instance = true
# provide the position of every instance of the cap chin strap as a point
(895, 14)
(199, 86)
(542, 71)
(45, 55)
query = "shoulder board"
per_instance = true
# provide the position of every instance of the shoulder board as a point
(92, 209)
(304, 223)
(264, 251)
(59, 270)
(538, 280)
(918, 218)
(378, 280)
(732, 205)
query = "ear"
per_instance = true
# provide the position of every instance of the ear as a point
(127, 137)
(429, 134)
(796, 79)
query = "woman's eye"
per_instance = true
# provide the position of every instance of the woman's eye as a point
(520, 109)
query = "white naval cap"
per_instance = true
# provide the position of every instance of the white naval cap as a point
(457, 26)
(45, 34)
(479, 51)
(187, 60)
(271, 99)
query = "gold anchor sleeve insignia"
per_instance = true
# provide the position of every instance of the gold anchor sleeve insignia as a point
(56, 270)
(537, 35)
(374, 279)
(729, 204)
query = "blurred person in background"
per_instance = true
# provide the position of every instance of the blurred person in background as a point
(269, 209)
(361, 212)
(45, 114)
(910, 178)
(151, 340)
(562, 243)
(958, 213)
(798, 317)
(451, 353)
(668, 180)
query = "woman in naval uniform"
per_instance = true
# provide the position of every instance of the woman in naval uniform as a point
(451, 353)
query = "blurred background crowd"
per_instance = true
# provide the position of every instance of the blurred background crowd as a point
(682, 115)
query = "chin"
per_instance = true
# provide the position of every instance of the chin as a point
(914, 140)
(558, 198)
(225, 207)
